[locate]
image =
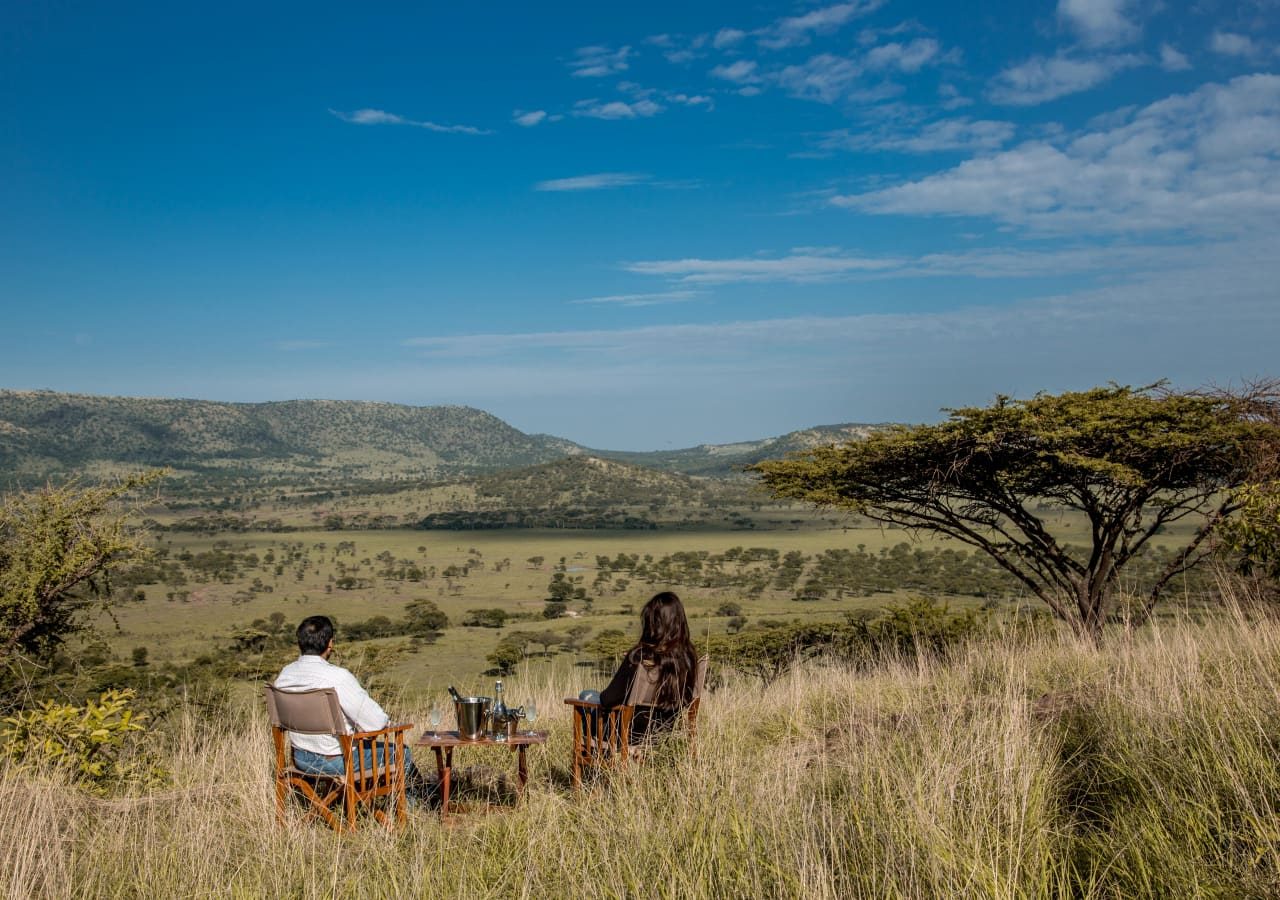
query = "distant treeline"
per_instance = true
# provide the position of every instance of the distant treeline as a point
(535, 518)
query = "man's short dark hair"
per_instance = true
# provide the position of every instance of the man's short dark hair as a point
(314, 635)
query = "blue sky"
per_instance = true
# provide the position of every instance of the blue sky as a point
(639, 227)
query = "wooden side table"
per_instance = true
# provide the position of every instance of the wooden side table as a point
(444, 743)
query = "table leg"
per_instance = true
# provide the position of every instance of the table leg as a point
(444, 768)
(521, 771)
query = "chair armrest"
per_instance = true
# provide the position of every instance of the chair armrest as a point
(390, 729)
(582, 704)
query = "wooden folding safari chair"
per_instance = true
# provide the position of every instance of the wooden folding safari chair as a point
(602, 739)
(373, 769)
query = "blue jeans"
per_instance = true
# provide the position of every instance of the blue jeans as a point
(317, 764)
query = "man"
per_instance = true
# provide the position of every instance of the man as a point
(321, 754)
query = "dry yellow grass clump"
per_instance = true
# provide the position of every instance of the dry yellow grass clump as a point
(1145, 767)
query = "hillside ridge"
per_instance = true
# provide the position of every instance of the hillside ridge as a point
(48, 433)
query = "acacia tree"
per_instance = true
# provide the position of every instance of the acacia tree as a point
(1132, 460)
(58, 547)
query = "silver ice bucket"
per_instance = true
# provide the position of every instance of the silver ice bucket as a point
(473, 717)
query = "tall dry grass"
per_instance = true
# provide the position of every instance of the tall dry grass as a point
(1144, 767)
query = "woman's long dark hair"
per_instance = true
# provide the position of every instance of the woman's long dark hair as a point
(664, 641)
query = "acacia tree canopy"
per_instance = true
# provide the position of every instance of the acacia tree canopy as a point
(1132, 460)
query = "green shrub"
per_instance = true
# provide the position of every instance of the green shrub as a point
(96, 744)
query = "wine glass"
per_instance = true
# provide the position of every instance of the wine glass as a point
(435, 717)
(530, 715)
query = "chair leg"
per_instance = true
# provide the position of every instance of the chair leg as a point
(282, 795)
(402, 815)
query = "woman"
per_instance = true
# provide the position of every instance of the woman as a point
(657, 674)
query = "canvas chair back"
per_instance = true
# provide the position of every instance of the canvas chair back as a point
(314, 711)
(644, 686)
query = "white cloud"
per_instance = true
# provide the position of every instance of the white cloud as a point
(654, 299)
(380, 117)
(1099, 22)
(595, 182)
(828, 264)
(727, 37)
(803, 267)
(1173, 61)
(1228, 44)
(952, 98)
(690, 99)
(824, 78)
(597, 62)
(1041, 79)
(679, 48)
(616, 109)
(943, 135)
(794, 31)
(529, 119)
(908, 57)
(1198, 162)
(741, 72)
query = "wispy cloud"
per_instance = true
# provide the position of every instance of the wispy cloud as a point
(1173, 61)
(1041, 79)
(801, 267)
(1201, 162)
(691, 100)
(824, 78)
(1113, 314)
(939, 136)
(381, 117)
(727, 37)
(656, 299)
(826, 264)
(598, 61)
(616, 109)
(1226, 43)
(908, 57)
(596, 182)
(1100, 22)
(741, 72)
(794, 31)
(530, 118)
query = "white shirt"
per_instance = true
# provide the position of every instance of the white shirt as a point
(361, 711)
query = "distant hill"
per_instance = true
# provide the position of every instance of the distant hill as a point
(42, 432)
(727, 459)
(590, 492)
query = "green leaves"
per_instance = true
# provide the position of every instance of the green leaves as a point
(1254, 534)
(95, 744)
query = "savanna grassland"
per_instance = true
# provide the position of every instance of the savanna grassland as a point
(209, 589)
(1013, 767)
